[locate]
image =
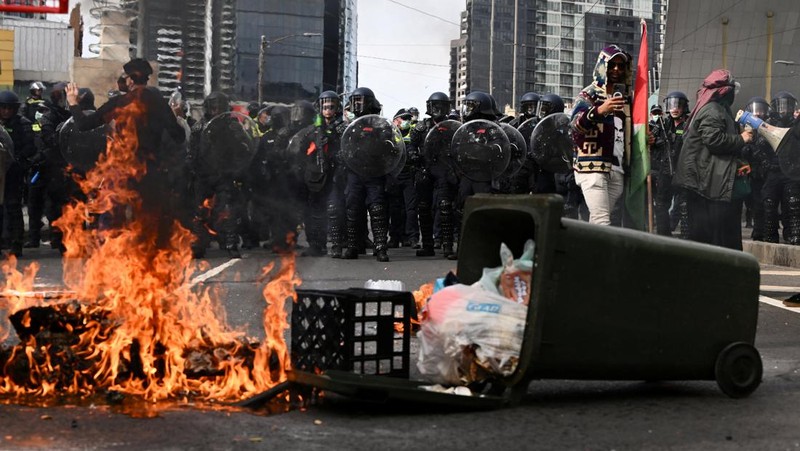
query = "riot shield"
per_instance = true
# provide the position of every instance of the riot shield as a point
(526, 129)
(436, 148)
(298, 151)
(372, 147)
(481, 150)
(551, 144)
(81, 149)
(228, 144)
(518, 150)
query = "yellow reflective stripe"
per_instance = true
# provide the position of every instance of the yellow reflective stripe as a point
(36, 127)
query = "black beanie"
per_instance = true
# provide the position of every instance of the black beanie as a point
(139, 70)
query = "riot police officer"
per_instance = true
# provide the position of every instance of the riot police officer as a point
(369, 191)
(662, 167)
(437, 180)
(676, 105)
(33, 101)
(401, 192)
(781, 194)
(213, 184)
(477, 105)
(21, 132)
(527, 108)
(759, 154)
(325, 179)
(49, 181)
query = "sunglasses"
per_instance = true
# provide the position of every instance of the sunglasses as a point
(616, 65)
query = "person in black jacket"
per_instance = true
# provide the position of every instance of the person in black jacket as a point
(155, 119)
(709, 163)
(21, 132)
(50, 187)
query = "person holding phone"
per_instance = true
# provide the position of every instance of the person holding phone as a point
(599, 134)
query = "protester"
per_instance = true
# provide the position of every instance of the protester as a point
(156, 118)
(710, 162)
(598, 132)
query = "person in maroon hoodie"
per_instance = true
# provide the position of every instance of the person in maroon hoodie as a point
(598, 131)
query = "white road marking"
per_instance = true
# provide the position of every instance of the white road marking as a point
(780, 288)
(777, 303)
(788, 272)
(213, 272)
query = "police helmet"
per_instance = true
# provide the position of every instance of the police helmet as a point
(527, 103)
(86, 99)
(36, 86)
(677, 104)
(414, 112)
(329, 99)
(279, 117)
(783, 105)
(363, 101)
(548, 104)
(252, 109)
(437, 105)
(454, 115)
(759, 107)
(478, 105)
(216, 103)
(302, 113)
(9, 98)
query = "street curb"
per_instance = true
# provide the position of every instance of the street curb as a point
(773, 253)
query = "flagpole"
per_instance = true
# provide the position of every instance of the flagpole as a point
(649, 203)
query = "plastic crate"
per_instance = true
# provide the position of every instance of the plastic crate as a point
(358, 330)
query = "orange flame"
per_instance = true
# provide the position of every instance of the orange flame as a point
(144, 331)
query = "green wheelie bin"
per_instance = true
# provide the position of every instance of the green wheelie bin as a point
(609, 303)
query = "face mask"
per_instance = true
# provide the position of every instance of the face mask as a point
(405, 125)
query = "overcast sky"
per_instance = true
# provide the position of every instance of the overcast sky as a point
(389, 31)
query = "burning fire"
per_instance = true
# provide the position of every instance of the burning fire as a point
(133, 324)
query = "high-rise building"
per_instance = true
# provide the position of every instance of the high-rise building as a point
(509, 47)
(491, 54)
(298, 49)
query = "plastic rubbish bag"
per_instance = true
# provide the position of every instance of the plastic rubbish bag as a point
(469, 334)
(513, 278)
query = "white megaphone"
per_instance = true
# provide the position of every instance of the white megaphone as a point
(783, 140)
(773, 135)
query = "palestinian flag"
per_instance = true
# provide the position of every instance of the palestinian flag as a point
(636, 194)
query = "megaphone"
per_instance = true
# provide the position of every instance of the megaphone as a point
(778, 139)
(773, 135)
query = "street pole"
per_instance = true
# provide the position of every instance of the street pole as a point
(262, 55)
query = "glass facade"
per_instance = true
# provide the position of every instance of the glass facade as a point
(293, 63)
(557, 43)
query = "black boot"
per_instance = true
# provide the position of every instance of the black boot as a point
(792, 201)
(336, 228)
(352, 241)
(770, 221)
(425, 217)
(446, 228)
(380, 230)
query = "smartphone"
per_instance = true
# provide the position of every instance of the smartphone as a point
(621, 90)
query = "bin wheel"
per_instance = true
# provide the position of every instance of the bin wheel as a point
(738, 370)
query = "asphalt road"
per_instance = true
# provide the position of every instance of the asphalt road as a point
(553, 414)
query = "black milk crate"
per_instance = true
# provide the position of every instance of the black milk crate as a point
(352, 330)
